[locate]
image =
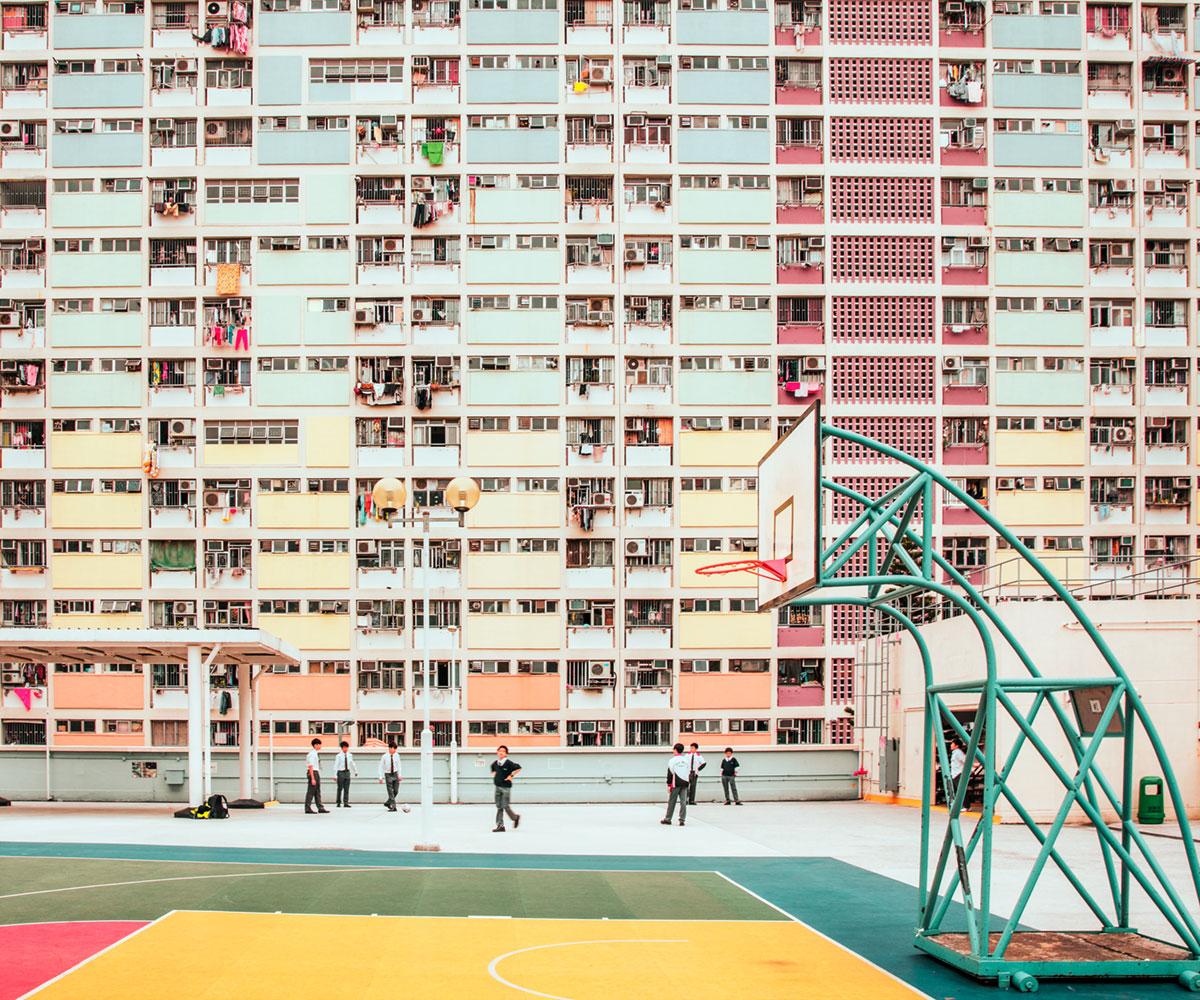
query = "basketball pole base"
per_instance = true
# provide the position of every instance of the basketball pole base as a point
(428, 848)
(4, 802)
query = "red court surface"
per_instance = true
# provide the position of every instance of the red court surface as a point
(32, 954)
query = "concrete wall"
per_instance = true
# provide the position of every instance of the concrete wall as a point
(610, 775)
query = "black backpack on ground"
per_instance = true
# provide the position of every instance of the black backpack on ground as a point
(218, 807)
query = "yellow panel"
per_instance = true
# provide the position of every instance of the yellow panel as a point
(309, 631)
(96, 571)
(496, 958)
(1048, 507)
(718, 510)
(93, 450)
(96, 510)
(1034, 448)
(689, 561)
(302, 510)
(530, 448)
(1015, 570)
(133, 619)
(721, 449)
(252, 454)
(522, 571)
(303, 570)
(327, 442)
(727, 629)
(520, 510)
(514, 631)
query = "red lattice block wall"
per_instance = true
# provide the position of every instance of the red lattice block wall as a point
(887, 379)
(844, 509)
(882, 199)
(907, 319)
(880, 22)
(915, 435)
(871, 259)
(881, 81)
(881, 140)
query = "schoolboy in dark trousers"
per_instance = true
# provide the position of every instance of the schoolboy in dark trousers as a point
(729, 770)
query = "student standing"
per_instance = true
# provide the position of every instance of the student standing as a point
(343, 767)
(389, 774)
(503, 772)
(697, 763)
(678, 781)
(729, 769)
(312, 790)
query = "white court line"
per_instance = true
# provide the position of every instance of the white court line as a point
(476, 916)
(92, 958)
(848, 951)
(495, 962)
(62, 923)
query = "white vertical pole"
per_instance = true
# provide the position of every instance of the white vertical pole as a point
(256, 739)
(426, 843)
(454, 695)
(245, 728)
(271, 755)
(197, 684)
(206, 729)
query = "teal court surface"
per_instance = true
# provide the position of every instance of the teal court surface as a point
(99, 921)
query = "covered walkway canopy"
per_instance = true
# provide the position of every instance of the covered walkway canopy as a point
(199, 649)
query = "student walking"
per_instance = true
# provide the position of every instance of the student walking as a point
(696, 763)
(678, 781)
(389, 774)
(729, 769)
(312, 788)
(503, 772)
(343, 767)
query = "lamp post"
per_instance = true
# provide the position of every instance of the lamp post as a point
(461, 495)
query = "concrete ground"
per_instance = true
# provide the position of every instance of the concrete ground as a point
(882, 839)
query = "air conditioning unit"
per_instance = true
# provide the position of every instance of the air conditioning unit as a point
(587, 727)
(185, 65)
(601, 500)
(952, 364)
(393, 727)
(164, 124)
(634, 500)
(685, 121)
(635, 121)
(814, 363)
(422, 183)
(9, 321)
(391, 246)
(633, 255)
(35, 245)
(212, 500)
(1124, 126)
(364, 546)
(215, 130)
(1156, 542)
(364, 316)
(979, 184)
(180, 428)
(10, 130)
(418, 315)
(635, 547)
(599, 670)
(1152, 133)
(216, 8)
(603, 120)
(605, 239)
(212, 364)
(1153, 186)
(1156, 422)
(1122, 435)
(183, 607)
(816, 243)
(1006, 483)
(812, 183)
(1122, 185)
(1126, 483)
(600, 74)
(366, 6)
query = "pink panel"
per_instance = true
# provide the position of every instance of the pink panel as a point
(964, 216)
(960, 515)
(800, 275)
(883, 258)
(880, 81)
(802, 635)
(964, 276)
(786, 398)
(881, 199)
(798, 154)
(881, 140)
(884, 22)
(795, 696)
(964, 157)
(968, 110)
(786, 36)
(965, 455)
(964, 395)
(36, 953)
(790, 334)
(960, 39)
(97, 691)
(883, 379)
(797, 95)
(971, 337)
(799, 213)
(883, 318)
(304, 692)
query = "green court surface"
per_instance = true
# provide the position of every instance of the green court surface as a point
(870, 916)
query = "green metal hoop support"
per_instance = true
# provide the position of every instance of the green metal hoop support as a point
(894, 536)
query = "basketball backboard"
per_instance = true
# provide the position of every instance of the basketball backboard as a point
(789, 521)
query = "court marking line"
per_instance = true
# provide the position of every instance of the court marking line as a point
(826, 937)
(495, 962)
(482, 916)
(92, 958)
(61, 923)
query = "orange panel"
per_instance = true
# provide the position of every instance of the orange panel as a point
(502, 691)
(98, 739)
(98, 691)
(725, 690)
(514, 743)
(302, 741)
(304, 692)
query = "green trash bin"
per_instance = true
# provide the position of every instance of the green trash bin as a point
(1150, 801)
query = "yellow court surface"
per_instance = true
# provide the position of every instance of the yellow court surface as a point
(263, 956)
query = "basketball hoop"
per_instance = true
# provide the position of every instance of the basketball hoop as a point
(770, 569)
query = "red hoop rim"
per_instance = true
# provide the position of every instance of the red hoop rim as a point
(769, 569)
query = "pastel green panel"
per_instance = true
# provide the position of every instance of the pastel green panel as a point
(493, 205)
(514, 388)
(1036, 90)
(511, 86)
(303, 267)
(509, 326)
(520, 27)
(106, 329)
(717, 207)
(1041, 268)
(97, 210)
(97, 149)
(277, 319)
(252, 215)
(520, 267)
(98, 90)
(97, 390)
(280, 148)
(99, 31)
(726, 388)
(723, 27)
(1043, 329)
(718, 326)
(724, 86)
(103, 270)
(302, 388)
(512, 145)
(279, 79)
(304, 28)
(1037, 31)
(726, 267)
(1041, 388)
(328, 327)
(1038, 208)
(724, 145)
(328, 198)
(1044, 149)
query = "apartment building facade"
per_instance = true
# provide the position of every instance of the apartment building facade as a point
(597, 255)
